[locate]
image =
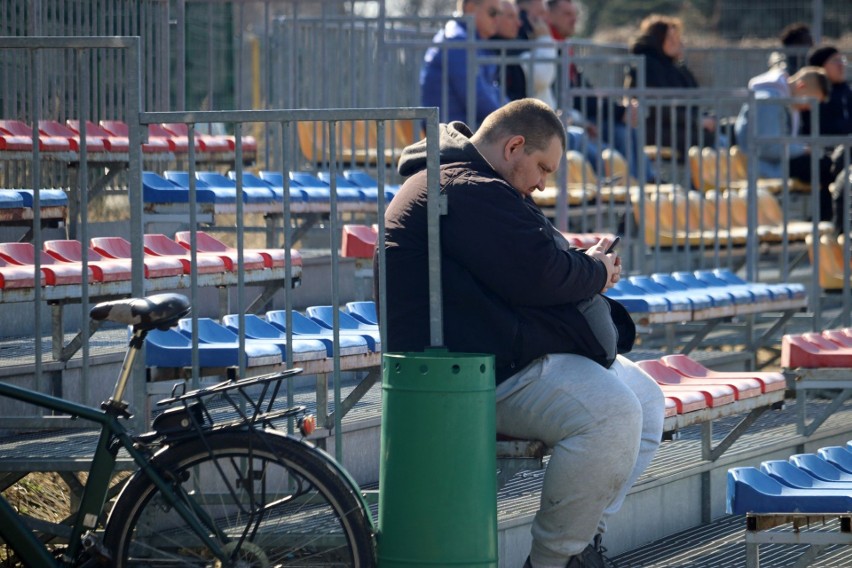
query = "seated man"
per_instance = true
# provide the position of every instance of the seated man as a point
(775, 120)
(433, 75)
(513, 287)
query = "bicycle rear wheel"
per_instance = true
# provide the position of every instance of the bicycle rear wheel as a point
(271, 500)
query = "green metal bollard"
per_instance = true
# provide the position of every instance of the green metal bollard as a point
(437, 479)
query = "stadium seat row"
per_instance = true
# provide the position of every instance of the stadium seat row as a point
(266, 338)
(695, 219)
(807, 483)
(112, 136)
(696, 394)
(353, 186)
(109, 259)
(703, 294)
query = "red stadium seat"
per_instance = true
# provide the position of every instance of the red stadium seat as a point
(253, 259)
(103, 269)
(54, 128)
(45, 143)
(154, 145)
(155, 266)
(743, 387)
(55, 272)
(688, 367)
(161, 245)
(841, 337)
(716, 393)
(359, 241)
(204, 142)
(13, 276)
(812, 350)
(112, 142)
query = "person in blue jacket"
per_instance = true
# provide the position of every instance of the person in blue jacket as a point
(777, 120)
(488, 95)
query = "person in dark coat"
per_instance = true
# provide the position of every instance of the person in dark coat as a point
(514, 288)
(835, 115)
(660, 42)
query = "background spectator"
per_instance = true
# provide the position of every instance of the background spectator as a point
(562, 15)
(488, 96)
(660, 40)
(776, 120)
(797, 38)
(835, 115)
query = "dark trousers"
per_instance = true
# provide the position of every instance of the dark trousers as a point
(800, 168)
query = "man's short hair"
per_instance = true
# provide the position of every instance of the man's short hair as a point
(815, 77)
(797, 33)
(530, 118)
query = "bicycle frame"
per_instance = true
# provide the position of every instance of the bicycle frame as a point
(14, 530)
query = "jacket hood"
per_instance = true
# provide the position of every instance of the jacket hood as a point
(773, 81)
(454, 146)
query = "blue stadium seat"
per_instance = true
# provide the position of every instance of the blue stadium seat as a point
(257, 328)
(309, 194)
(11, 199)
(678, 299)
(819, 468)
(227, 188)
(711, 278)
(171, 348)
(47, 197)
(251, 194)
(306, 180)
(364, 312)
(308, 328)
(737, 295)
(668, 281)
(363, 179)
(838, 456)
(211, 332)
(157, 189)
(752, 491)
(792, 290)
(368, 194)
(324, 315)
(792, 476)
(637, 300)
(251, 180)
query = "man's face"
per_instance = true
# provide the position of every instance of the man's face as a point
(529, 172)
(835, 68)
(508, 22)
(563, 18)
(485, 15)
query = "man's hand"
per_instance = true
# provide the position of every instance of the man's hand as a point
(612, 262)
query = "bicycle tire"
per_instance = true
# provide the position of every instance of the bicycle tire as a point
(312, 514)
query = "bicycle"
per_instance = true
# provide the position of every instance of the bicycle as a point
(217, 483)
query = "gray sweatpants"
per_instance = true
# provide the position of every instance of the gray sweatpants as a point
(604, 426)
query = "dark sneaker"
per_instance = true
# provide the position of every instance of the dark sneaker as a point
(591, 557)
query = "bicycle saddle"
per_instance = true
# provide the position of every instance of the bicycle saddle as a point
(160, 311)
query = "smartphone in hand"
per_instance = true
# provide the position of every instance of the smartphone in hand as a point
(613, 244)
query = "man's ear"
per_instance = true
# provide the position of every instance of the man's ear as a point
(513, 144)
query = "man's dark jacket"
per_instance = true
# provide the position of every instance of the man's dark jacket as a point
(508, 288)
